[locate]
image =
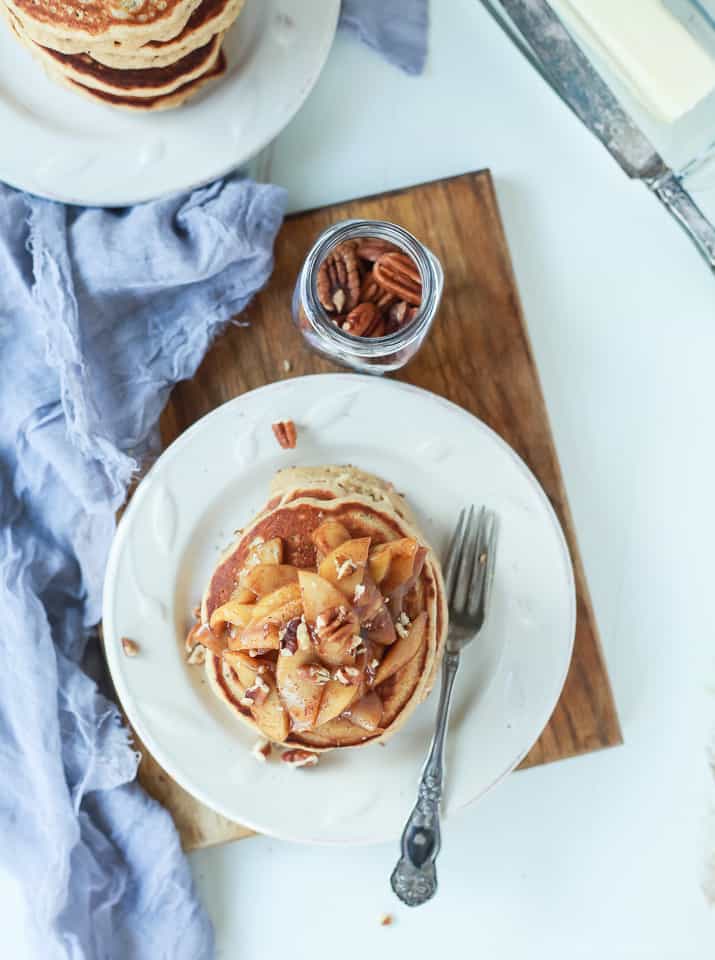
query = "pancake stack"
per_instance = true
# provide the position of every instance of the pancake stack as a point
(323, 625)
(132, 54)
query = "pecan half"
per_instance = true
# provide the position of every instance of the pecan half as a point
(401, 313)
(361, 319)
(398, 273)
(372, 248)
(338, 282)
(372, 292)
(299, 758)
(285, 433)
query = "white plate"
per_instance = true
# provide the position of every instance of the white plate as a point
(213, 479)
(57, 144)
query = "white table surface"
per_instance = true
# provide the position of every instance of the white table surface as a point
(598, 857)
(603, 856)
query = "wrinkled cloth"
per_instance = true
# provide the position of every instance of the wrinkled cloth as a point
(101, 312)
(396, 29)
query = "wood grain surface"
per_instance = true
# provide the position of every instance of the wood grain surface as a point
(477, 355)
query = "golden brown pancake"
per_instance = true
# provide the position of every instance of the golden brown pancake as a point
(152, 82)
(75, 27)
(164, 102)
(210, 18)
(324, 623)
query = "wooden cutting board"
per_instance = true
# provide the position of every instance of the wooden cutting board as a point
(478, 355)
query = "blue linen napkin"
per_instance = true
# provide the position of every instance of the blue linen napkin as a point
(101, 313)
(396, 29)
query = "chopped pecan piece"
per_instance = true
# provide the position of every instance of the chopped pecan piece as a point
(256, 693)
(398, 273)
(285, 433)
(197, 655)
(130, 647)
(338, 282)
(299, 758)
(289, 637)
(261, 750)
(347, 675)
(315, 672)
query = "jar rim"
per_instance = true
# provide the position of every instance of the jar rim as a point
(370, 347)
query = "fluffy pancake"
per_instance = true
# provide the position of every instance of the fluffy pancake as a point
(137, 83)
(164, 102)
(210, 18)
(396, 605)
(81, 25)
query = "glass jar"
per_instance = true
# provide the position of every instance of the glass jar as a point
(366, 354)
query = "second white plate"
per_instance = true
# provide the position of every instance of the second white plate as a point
(57, 144)
(213, 479)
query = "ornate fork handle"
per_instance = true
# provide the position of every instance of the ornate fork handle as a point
(414, 879)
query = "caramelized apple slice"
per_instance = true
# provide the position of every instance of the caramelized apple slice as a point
(400, 687)
(338, 696)
(266, 578)
(368, 601)
(266, 552)
(337, 633)
(270, 551)
(392, 563)
(271, 717)
(247, 667)
(264, 635)
(381, 629)
(300, 695)
(277, 600)
(242, 595)
(366, 712)
(329, 535)
(233, 612)
(403, 650)
(344, 566)
(336, 732)
(318, 595)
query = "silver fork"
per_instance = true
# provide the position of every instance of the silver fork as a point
(468, 575)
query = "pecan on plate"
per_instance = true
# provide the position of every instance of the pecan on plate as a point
(285, 433)
(299, 758)
(372, 292)
(338, 281)
(398, 273)
(130, 647)
(361, 320)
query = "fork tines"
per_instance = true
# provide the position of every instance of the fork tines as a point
(470, 565)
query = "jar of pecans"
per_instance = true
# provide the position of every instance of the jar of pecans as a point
(367, 295)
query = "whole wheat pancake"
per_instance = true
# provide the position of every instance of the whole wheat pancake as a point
(210, 18)
(80, 25)
(135, 83)
(145, 104)
(324, 623)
